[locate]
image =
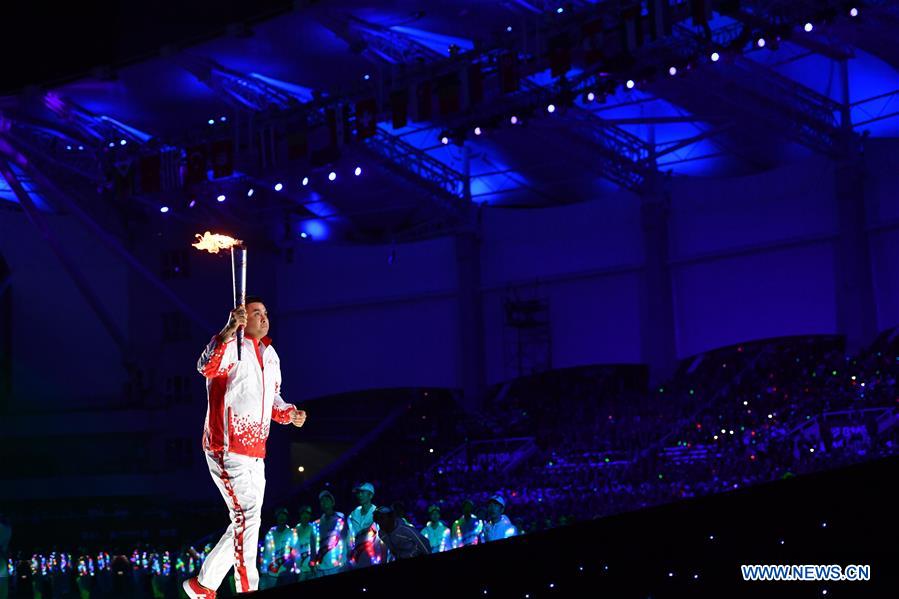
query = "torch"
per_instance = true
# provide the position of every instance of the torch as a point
(239, 278)
(214, 243)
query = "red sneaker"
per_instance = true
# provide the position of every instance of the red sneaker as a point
(195, 590)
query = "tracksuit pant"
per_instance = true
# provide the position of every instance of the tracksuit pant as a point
(241, 481)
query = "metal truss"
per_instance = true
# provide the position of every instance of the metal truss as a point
(800, 113)
(55, 149)
(625, 158)
(378, 42)
(243, 90)
(788, 107)
(100, 129)
(449, 187)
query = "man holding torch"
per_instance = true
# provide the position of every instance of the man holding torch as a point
(244, 395)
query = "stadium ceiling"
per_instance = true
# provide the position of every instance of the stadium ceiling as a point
(337, 120)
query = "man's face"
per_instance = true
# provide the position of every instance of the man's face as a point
(257, 321)
(282, 518)
(327, 503)
(494, 510)
(435, 515)
(305, 517)
(386, 522)
(363, 496)
(467, 507)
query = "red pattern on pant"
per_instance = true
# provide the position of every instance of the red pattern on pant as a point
(239, 525)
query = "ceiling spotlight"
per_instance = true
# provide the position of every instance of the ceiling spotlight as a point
(560, 10)
(672, 71)
(366, 76)
(808, 27)
(250, 193)
(358, 171)
(477, 130)
(278, 187)
(81, 148)
(551, 108)
(69, 148)
(112, 144)
(164, 209)
(853, 12)
(305, 181)
(211, 121)
(123, 142)
(221, 198)
(509, 27)
(332, 175)
(514, 120)
(761, 42)
(192, 204)
(715, 56)
(304, 235)
(630, 84)
(223, 119)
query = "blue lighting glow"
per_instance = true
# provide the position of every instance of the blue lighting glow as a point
(305, 181)
(250, 193)
(7, 194)
(316, 229)
(221, 198)
(332, 175)
(164, 209)
(494, 179)
(435, 41)
(358, 171)
(871, 83)
(211, 121)
(278, 187)
(131, 131)
(301, 93)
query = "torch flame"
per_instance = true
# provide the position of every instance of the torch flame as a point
(214, 243)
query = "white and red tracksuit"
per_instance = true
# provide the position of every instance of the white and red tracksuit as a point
(244, 397)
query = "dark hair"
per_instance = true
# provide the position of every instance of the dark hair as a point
(253, 299)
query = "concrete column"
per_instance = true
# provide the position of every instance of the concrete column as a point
(657, 301)
(856, 309)
(472, 379)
